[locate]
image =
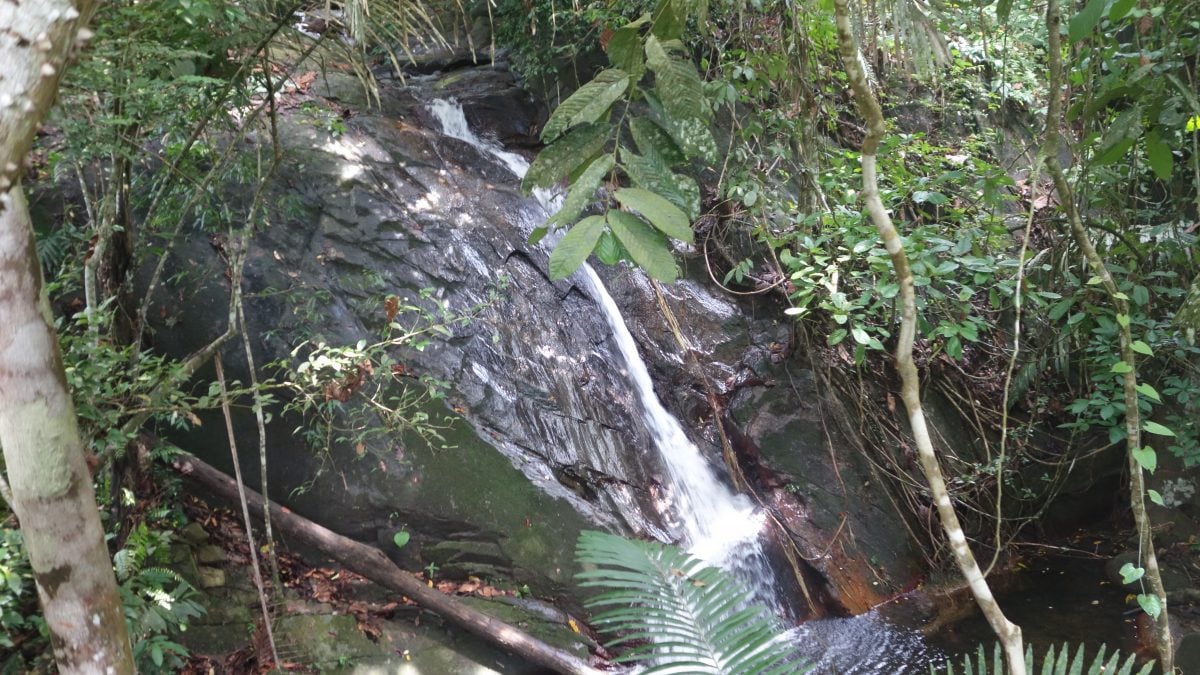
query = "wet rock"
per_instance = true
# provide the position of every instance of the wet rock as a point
(1187, 654)
(783, 427)
(210, 577)
(194, 533)
(392, 207)
(210, 554)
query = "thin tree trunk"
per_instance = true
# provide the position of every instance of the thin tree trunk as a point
(1133, 426)
(1008, 632)
(373, 564)
(52, 491)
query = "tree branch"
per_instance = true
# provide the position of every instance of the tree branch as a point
(373, 564)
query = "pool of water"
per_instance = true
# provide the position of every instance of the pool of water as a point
(1054, 600)
(1057, 600)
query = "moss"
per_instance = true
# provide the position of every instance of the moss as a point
(470, 481)
(552, 633)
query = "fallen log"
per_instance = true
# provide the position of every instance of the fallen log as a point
(371, 563)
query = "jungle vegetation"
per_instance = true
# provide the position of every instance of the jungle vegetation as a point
(1025, 232)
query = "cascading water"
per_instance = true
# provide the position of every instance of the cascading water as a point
(716, 524)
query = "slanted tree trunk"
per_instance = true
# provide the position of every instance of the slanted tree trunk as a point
(374, 565)
(52, 491)
(1133, 425)
(910, 388)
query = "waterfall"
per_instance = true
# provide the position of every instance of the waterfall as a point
(716, 524)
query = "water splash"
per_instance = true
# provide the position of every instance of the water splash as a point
(716, 524)
(866, 644)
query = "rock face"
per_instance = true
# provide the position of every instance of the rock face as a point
(550, 438)
(549, 444)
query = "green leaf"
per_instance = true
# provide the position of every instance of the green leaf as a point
(661, 213)
(537, 234)
(608, 250)
(575, 246)
(1119, 9)
(1130, 573)
(669, 20)
(954, 347)
(652, 139)
(400, 539)
(676, 82)
(1159, 154)
(1146, 458)
(587, 104)
(926, 196)
(692, 134)
(1141, 295)
(651, 174)
(1122, 367)
(625, 51)
(647, 247)
(1157, 429)
(1150, 605)
(1003, 7)
(1148, 391)
(1082, 24)
(687, 615)
(836, 337)
(1120, 136)
(565, 155)
(1141, 348)
(1155, 497)
(582, 191)
(1060, 308)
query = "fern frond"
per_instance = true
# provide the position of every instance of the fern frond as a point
(694, 618)
(1055, 663)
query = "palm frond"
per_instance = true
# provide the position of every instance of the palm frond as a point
(1061, 664)
(677, 613)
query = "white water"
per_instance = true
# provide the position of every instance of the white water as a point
(716, 524)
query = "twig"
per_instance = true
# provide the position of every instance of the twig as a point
(237, 472)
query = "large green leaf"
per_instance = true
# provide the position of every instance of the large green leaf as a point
(676, 82)
(608, 249)
(691, 134)
(661, 213)
(1159, 154)
(558, 160)
(691, 618)
(575, 246)
(650, 173)
(587, 104)
(651, 139)
(582, 191)
(1120, 136)
(1082, 24)
(670, 19)
(648, 248)
(1119, 9)
(625, 51)
(1003, 7)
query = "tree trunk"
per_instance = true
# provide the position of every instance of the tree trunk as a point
(910, 388)
(51, 487)
(373, 564)
(1133, 425)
